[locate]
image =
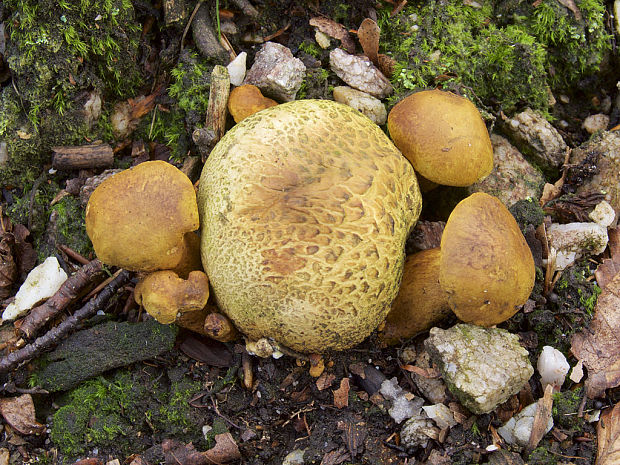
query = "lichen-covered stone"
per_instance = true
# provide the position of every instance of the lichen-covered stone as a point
(537, 139)
(359, 73)
(276, 72)
(512, 178)
(482, 367)
(304, 209)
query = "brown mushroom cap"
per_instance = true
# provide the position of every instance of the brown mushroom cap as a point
(486, 266)
(443, 136)
(420, 303)
(165, 296)
(305, 208)
(137, 219)
(246, 100)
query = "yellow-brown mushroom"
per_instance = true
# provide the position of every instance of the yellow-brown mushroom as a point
(142, 219)
(486, 267)
(420, 303)
(246, 100)
(443, 136)
(166, 297)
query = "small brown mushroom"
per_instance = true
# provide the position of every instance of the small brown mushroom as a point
(166, 297)
(420, 303)
(139, 219)
(486, 266)
(443, 136)
(246, 100)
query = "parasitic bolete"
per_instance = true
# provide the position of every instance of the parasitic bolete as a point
(142, 219)
(486, 267)
(443, 136)
(305, 208)
(420, 303)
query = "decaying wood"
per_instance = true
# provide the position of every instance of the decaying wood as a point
(82, 157)
(54, 336)
(69, 291)
(218, 100)
(220, 328)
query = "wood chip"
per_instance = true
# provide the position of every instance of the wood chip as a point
(341, 395)
(325, 381)
(335, 30)
(541, 418)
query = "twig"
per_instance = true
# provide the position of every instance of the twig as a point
(54, 336)
(72, 254)
(101, 286)
(67, 292)
(189, 21)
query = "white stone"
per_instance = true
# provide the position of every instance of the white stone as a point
(236, 69)
(42, 283)
(552, 367)
(570, 241)
(276, 72)
(441, 415)
(322, 39)
(518, 429)
(417, 431)
(594, 123)
(603, 214)
(359, 73)
(294, 458)
(363, 102)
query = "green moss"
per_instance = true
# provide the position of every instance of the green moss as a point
(527, 211)
(122, 411)
(565, 408)
(57, 51)
(310, 48)
(70, 219)
(542, 456)
(458, 46)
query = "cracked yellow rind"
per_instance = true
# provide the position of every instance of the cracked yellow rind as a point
(305, 208)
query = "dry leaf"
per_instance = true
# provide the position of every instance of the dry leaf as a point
(610, 266)
(335, 30)
(224, 451)
(354, 435)
(24, 251)
(368, 35)
(608, 434)
(429, 373)
(549, 193)
(341, 395)
(541, 418)
(325, 381)
(577, 374)
(570, 4)
(20, 414)
(599, 345)
(386, 64)
(335, 457)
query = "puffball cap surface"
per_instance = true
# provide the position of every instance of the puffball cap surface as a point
(137, 218)
(444, 137)
(486, 266)
(305, 208)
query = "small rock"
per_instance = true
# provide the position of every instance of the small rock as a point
(573, 240)
(363, 102)
(236, 69)
(603, 214)
(512, 178)
(594, 123)
(433, 389)
(482, 367)
(602, 151)
(441, 415)
(276, 72)
(294, 458)
(536, 138)
(518, 429)
(42, 283)
(359, 73)
(402, 408)
(246, 100)
(417, 431)
(552, 367)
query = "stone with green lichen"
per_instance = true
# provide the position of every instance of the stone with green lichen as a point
(482, 367)
(93, 351)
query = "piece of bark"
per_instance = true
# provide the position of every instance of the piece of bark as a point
(68, 291)
(218, 99)
(220, 328)
(68, 158)
(53, 336)
(205, 37)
